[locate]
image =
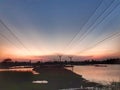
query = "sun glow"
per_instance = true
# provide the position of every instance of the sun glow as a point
(26, 31)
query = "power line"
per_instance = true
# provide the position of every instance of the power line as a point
(8, 40)
(89, 31)
(10, 31)
(70, 42)
(101, 41)
(82, 37)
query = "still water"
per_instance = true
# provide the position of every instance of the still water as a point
(20, 69)
(100, 74)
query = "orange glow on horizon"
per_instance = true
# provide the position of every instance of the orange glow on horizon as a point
(22, 54)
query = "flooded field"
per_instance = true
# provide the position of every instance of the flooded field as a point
(57, 79)
(100, 74)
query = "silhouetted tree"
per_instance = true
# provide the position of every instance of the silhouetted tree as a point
(8, 60)
(6, 63)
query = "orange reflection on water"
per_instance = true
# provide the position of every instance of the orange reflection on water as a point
(103, 75)
(20, 69)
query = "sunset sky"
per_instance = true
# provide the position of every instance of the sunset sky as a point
(38, 29)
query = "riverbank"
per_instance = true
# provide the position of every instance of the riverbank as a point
(59, 78)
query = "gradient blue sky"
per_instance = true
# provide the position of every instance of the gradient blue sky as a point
(51, 27)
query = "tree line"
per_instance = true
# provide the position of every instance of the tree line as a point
(9, 62)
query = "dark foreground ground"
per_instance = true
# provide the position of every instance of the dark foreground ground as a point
(57, 79)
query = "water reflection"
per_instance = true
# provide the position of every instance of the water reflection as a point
(40, 81)
(20, 69)
(48, 79)
(34, 72)
(99, 74)
(103, 75)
